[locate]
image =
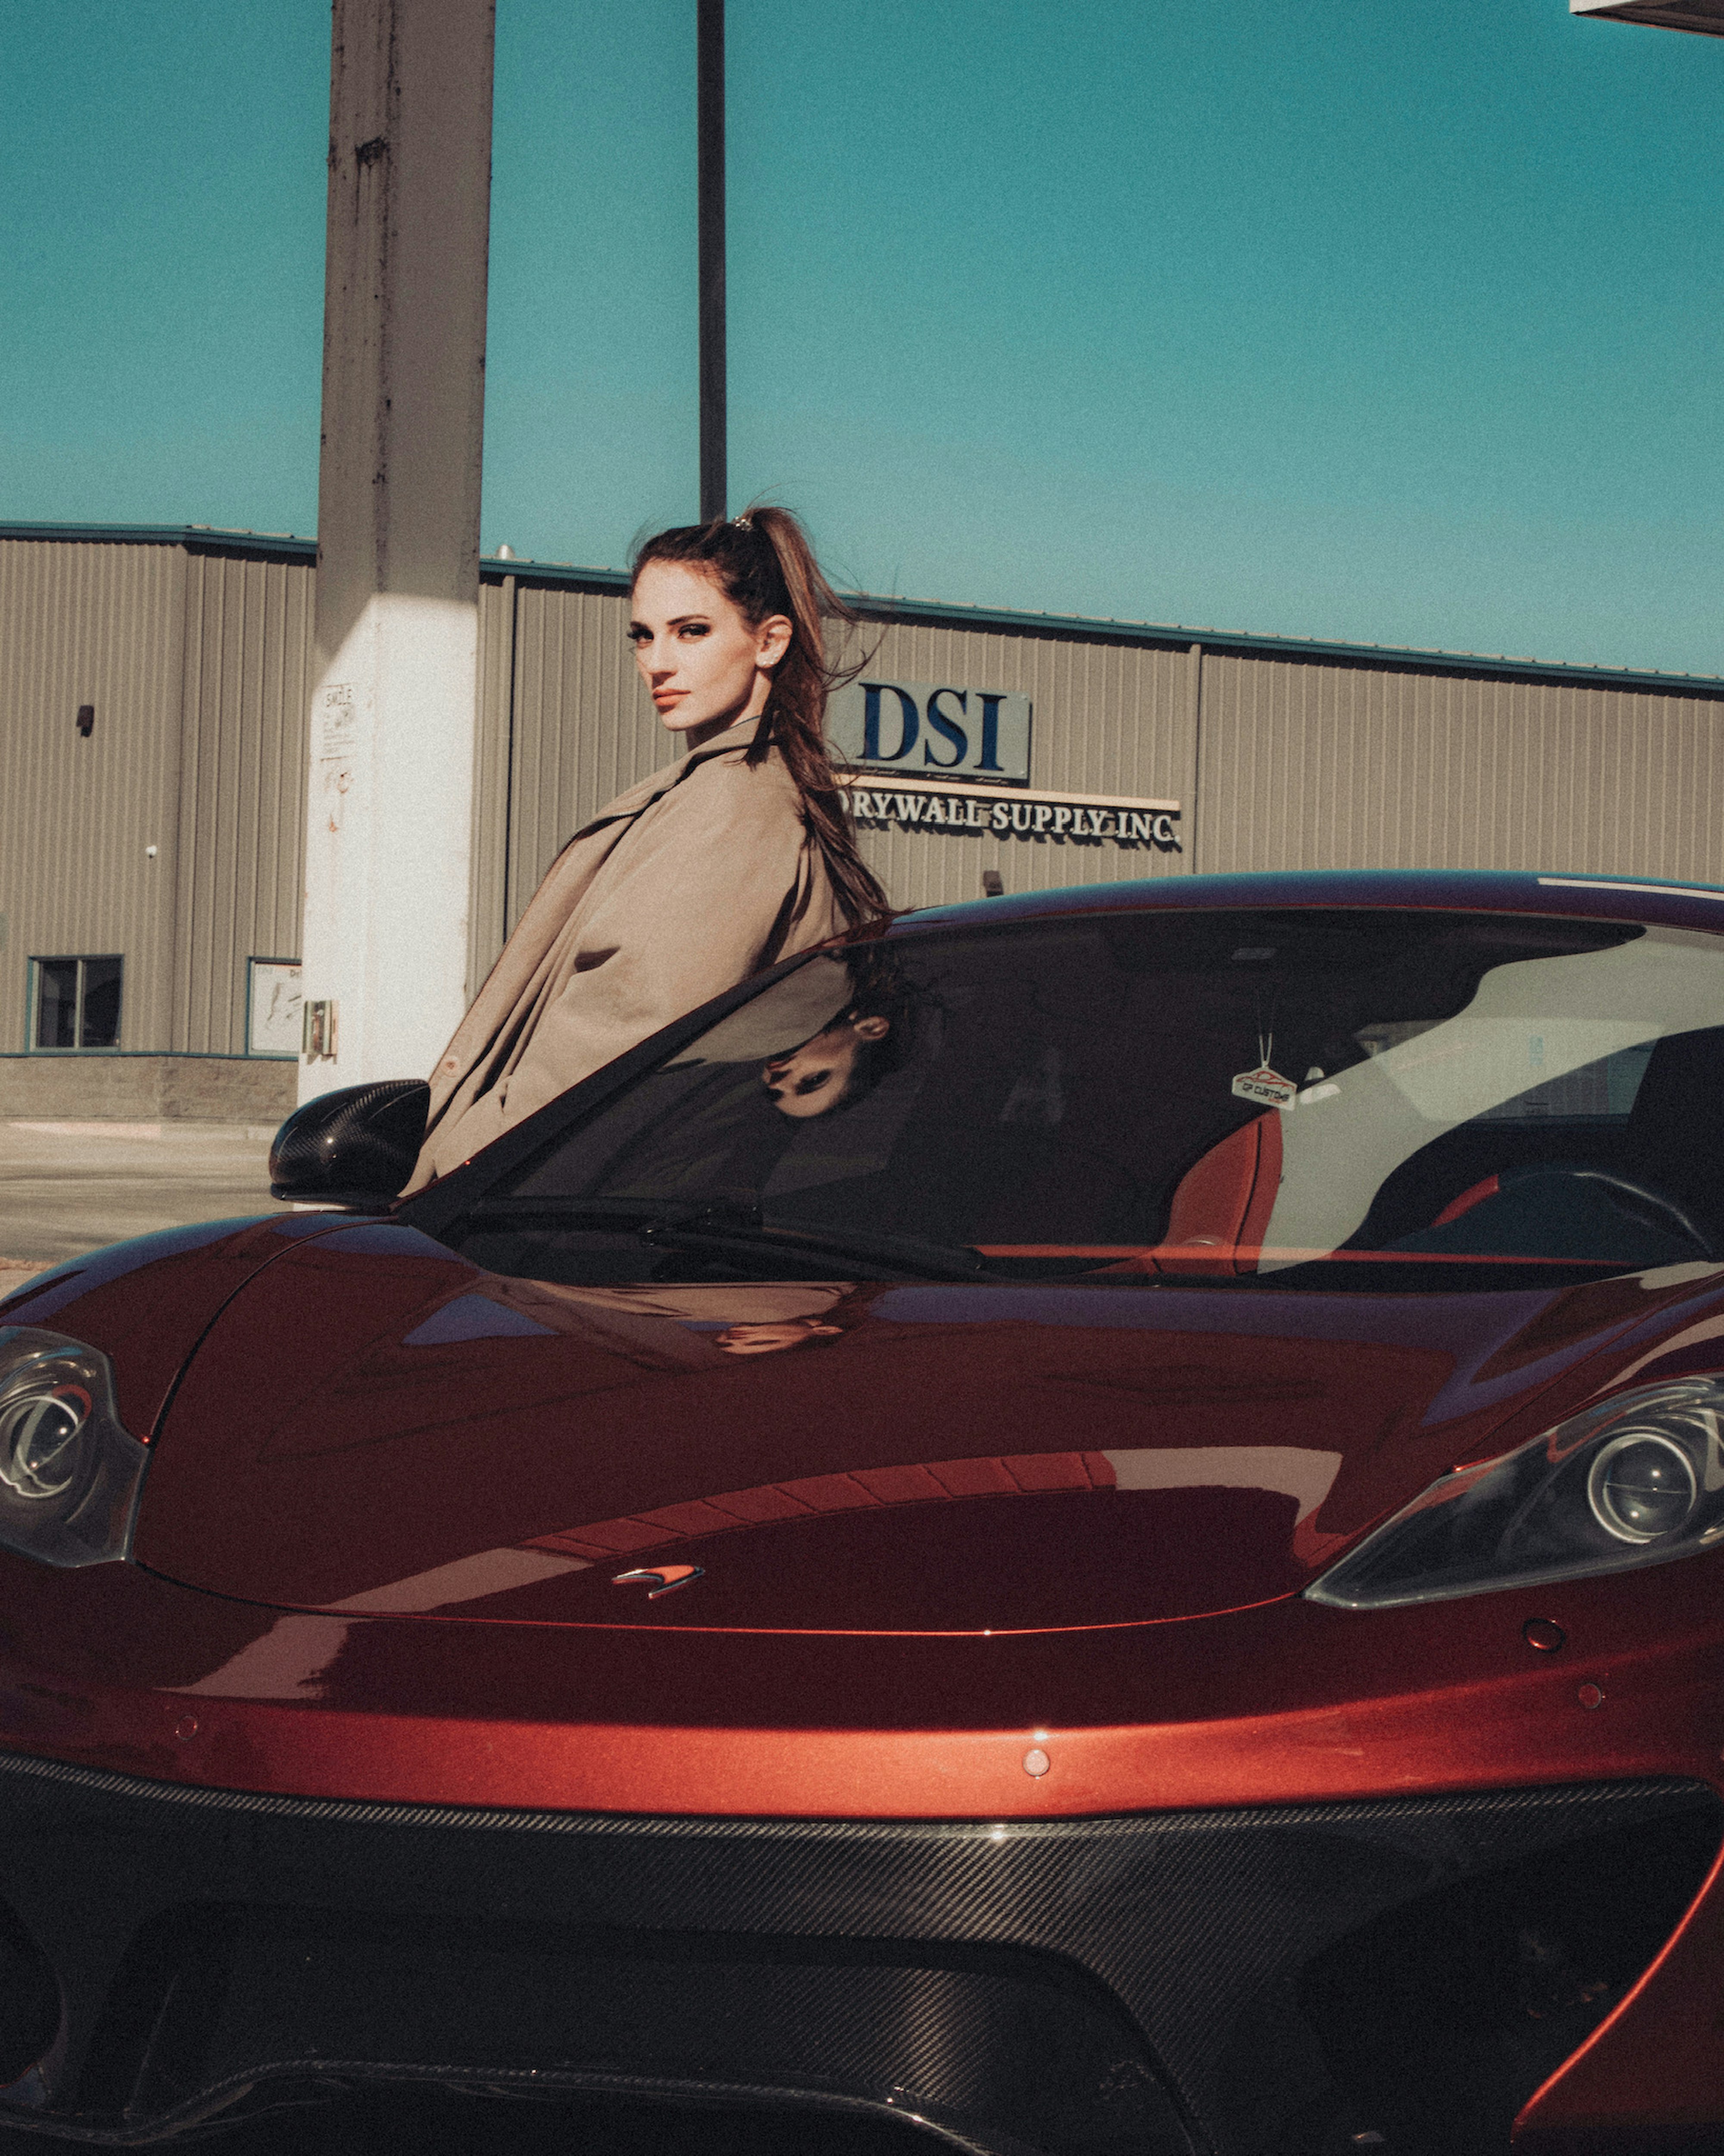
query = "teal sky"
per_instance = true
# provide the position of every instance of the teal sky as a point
(1400, 324)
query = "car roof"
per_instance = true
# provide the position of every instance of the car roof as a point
(1571, 893)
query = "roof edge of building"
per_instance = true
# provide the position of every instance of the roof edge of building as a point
(875, 606)
(207, 536)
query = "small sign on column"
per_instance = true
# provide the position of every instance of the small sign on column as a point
(318, 1039)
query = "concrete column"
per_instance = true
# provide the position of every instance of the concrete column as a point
(389, 829)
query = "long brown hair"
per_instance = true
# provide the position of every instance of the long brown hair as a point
(763, 564)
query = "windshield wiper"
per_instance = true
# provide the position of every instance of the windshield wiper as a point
(626, 1212)
(728, 1232)
(735, 1229)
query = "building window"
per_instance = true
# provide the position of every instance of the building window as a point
(77, 1002)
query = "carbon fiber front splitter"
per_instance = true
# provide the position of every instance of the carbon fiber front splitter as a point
(1082, 1987)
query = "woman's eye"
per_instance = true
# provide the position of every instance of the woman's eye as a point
(695, 629)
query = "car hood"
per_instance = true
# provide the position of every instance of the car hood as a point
(147, 1301)
(375, 1426)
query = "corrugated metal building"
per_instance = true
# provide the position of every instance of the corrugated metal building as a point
(153, 692)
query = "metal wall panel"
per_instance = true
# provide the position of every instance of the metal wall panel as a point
(491, 758)
(89, 622)
(585, 728)
(1108, 718)
(242, 792)
(1307, 765)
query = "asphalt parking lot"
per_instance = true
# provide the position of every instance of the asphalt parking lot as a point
(67, 1188)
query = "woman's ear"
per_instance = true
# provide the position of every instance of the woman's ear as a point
(870, 1029)
(772, 640)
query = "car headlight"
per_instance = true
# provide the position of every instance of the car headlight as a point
(1636, 1481)
(68, 1472)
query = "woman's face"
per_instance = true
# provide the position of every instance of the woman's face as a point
(704, 664)
(811, 1079)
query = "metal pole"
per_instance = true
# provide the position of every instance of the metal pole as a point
(709, 101)
(389, 833)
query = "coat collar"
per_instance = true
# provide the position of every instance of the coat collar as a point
(643, 794)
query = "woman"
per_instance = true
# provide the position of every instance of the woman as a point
(741, 854)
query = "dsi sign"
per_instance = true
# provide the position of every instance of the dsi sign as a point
(927, 729)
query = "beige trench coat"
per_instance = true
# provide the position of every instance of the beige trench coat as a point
(683, 886)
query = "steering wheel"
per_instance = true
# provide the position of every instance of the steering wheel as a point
(1641, 1201)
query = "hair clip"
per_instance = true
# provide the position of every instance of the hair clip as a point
(742, 523)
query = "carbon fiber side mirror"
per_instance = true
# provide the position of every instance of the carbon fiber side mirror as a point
(354, 1147)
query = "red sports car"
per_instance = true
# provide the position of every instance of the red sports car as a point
(1095, 1525)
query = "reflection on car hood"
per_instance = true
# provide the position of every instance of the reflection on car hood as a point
(376, 1426)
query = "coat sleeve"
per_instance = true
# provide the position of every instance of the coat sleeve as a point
(716, 881)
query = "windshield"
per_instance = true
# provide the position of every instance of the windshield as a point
(1330, 1097)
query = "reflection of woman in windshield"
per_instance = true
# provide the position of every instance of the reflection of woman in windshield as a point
(739, 855)
(827, 1071)
(848, 1058)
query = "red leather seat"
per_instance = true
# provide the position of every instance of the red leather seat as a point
(1221, 1207)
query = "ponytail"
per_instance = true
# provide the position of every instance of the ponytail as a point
(764, 565)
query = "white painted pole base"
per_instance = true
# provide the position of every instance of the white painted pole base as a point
(388, 842)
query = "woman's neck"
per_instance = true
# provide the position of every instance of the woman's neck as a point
(698, 736)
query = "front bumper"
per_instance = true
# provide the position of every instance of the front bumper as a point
(1078, 1986)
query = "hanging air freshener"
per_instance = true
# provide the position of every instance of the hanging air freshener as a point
(1265, 1085)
